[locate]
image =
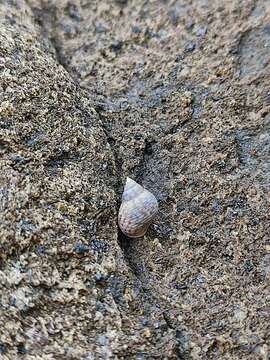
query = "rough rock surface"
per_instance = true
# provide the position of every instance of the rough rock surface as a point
(174, 94)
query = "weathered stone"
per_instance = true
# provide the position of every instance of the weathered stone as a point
(92, 92)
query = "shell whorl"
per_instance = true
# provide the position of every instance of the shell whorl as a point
(137, 210)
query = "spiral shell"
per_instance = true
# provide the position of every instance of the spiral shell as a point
(137, 210)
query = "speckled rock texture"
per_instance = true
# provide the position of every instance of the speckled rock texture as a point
(174, 94)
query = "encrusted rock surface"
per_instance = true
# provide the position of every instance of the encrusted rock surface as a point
(174, 94)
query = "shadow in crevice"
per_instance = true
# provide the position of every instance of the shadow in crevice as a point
(131, 249)
(128, 247)
(127, 250)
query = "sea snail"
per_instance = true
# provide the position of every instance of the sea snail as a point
(137, 210)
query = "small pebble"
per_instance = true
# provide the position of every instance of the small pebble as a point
(190, 46)
(100, 278)
(216, 98)
(73, 11)
(17, 159)
(189, 24)
(181, 286)
(201, 31)
(248, 265)
(145, 322)
(40, 249)
(80, 248)
(98, 245)
(116, 47)
(136, 30)
(157, 324)
(102, 340)
(178, 58)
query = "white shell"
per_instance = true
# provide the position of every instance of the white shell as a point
(137, 210)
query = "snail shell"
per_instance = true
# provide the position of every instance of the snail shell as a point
(137, 210)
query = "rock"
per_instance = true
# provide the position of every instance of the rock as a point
(93, 92)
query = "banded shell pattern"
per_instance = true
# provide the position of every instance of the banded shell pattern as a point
(137, 210)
